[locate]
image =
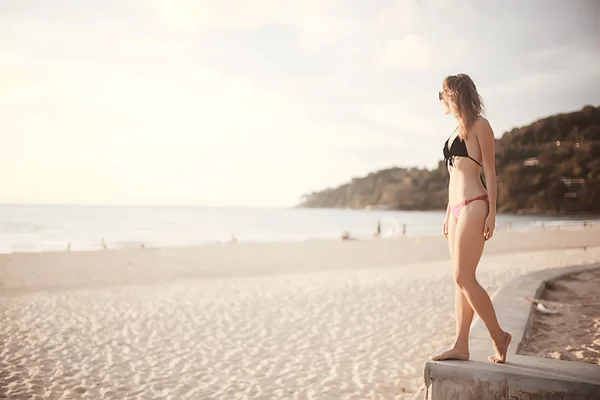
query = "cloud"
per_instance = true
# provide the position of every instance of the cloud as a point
(401, 15)
(415, 53)
(572, 55)
(317, 23)
(456, 49)
(320, 23)
(99, 41)
(409, 119)
(408, 54)
(539, 83)
(551, 53)
(130, 125)
(391, 35)
(193, 15)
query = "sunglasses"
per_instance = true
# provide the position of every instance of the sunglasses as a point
(440, 95)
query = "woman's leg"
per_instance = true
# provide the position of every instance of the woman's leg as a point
(464, 318)
(463, 310)
(468, 247)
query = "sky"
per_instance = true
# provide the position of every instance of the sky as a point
(239, 103)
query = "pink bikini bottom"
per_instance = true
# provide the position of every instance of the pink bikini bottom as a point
(457, 207)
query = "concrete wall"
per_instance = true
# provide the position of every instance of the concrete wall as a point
(471, 380)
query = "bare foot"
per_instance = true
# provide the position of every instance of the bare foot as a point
(501, 350)
(451, 354)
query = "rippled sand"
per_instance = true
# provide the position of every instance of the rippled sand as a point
(573, 333)
(351, 329)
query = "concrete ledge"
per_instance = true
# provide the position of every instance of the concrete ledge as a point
(522, 377)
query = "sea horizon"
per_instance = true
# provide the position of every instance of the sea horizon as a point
(60, 227)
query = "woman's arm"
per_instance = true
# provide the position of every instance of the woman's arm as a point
(487, 143)
(445, 226)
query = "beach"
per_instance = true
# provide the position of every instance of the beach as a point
(571, 331)
(320, 319)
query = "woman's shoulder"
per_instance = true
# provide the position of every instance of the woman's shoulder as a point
(481, 126)
(482, 129)
(481, 122)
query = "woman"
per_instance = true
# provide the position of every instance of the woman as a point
(471, 212)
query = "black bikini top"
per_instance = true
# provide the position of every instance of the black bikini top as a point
(458, 149)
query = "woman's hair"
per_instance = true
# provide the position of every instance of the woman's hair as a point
(461, 91)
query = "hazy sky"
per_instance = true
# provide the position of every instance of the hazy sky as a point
(257, 102)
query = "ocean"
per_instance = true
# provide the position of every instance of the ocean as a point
(37, 228)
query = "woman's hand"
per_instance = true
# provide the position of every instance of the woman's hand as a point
(489, 227)
(445, 227)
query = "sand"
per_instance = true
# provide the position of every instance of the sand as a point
(573, 333)
(314, 320)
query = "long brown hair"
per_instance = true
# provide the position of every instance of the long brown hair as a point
(461, 91)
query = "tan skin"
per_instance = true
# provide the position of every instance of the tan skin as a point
(467, 236)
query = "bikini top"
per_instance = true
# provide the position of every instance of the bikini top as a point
(458, 149)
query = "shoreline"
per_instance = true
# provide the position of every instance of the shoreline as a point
(28, 272)
(141, 245)
(35, 229)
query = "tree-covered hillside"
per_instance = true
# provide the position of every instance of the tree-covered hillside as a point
(550, 166)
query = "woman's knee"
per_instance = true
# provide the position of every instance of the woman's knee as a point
(464, 280)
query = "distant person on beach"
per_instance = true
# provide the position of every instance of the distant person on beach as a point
(346, 236)
(471, 213)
